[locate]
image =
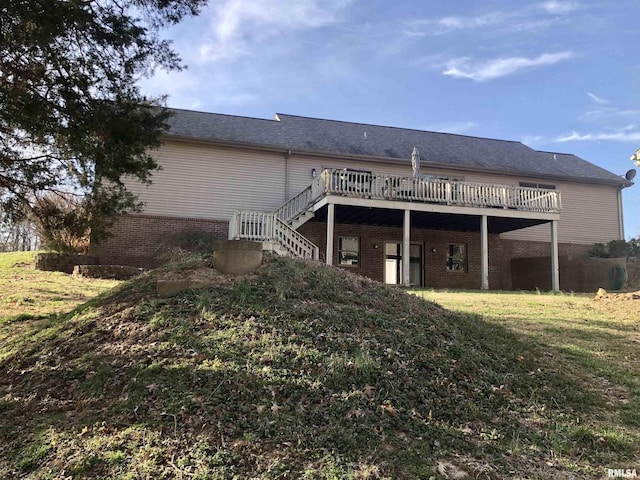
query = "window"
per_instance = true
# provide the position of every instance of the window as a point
(457, 257)
(444, 178)
(537, 185)
(349, 251)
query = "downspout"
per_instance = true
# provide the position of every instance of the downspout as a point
(620, 214)
(287, 155)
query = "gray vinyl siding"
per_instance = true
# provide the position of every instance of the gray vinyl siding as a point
(200, 181)
(206, 181)
(590, 214)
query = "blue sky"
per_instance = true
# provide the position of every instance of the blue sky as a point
(558, 75)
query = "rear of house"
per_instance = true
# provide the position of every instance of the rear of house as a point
(345, 193)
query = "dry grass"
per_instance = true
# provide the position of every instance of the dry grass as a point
(597, 340)
(306, 371)
(26, 292)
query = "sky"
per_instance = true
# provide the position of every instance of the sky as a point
(557, 75)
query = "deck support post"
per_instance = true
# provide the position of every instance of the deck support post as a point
(555, 267)
(484, 253)
(406, 250)
(330, 224)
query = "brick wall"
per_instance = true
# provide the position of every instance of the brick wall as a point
(435, 272)
(521, 249)
(434, 245)
(135, 239)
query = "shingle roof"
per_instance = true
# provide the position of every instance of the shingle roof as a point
(312, 135)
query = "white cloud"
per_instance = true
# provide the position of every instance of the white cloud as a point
(620, 136)
(535, 17)
(238, 27)
(458, 23)
(452, 23)
(608, 123)
(597, 99)
(177, 86)
(457, 127)
(184, 89)
(533, 139)
(602, 114)
(556, 7)
(491, 69)
(241, 52)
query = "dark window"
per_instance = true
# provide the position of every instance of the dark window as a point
(444, 178)
(457, 257)
(349, 251)
(538, 185)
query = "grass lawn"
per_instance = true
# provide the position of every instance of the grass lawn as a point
(306, 371)
(27, 292)
(596, 340)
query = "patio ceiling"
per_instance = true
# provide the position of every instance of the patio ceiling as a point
(347, 214)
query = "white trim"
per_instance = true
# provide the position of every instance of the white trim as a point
(484, 254)
(330, 224)
(420, 207)
(555, 267)
(406, 249)
(620, 215)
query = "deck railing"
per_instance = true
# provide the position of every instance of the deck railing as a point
(274, 227)
(296, 205)
(432, 190)
(267, 227)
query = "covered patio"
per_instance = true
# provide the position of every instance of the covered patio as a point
(345, 210)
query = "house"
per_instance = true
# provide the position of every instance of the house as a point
(345, 193)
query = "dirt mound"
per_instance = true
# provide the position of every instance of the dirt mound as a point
(603, 296)
(297, 371)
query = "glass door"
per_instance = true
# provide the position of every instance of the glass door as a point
(393, 263)
(415, 264)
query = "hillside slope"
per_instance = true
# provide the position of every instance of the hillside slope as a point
(299, 371)
(27, 292)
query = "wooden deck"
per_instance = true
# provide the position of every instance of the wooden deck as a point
(427, 189)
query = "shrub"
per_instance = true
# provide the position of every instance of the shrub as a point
(184, 245)
(63, 223)
(616, 248)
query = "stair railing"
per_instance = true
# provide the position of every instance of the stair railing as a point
(267, 227)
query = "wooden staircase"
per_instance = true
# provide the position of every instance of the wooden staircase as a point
(278, 230)
(275, 235)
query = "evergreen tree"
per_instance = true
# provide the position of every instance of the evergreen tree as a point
(72, 116)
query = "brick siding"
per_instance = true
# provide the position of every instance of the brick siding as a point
(135, 239)
(434, 246)
(521, 249)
